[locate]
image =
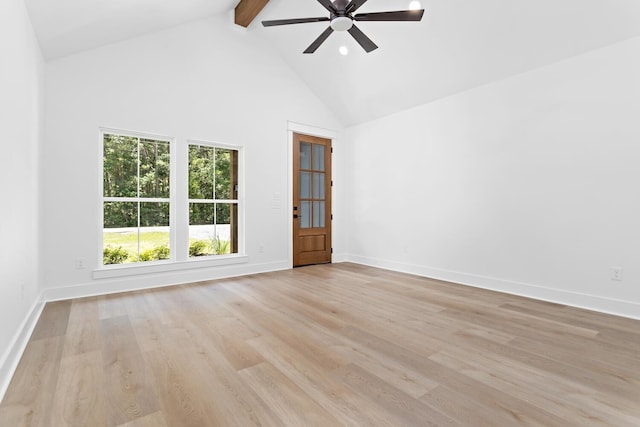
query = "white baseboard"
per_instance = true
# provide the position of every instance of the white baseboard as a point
(560, 296)
(11, 357)
(338, 258)
(158, 280)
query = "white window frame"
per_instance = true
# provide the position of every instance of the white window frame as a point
(178, 212)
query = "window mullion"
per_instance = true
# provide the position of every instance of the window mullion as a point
(215, 150)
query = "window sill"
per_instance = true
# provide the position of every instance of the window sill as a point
(164, 266)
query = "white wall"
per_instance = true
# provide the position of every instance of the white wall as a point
(529, 185)
(21, 81)
(207, 80)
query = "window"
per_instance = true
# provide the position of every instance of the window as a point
(213, 200)
(136, 199)
(168, 206)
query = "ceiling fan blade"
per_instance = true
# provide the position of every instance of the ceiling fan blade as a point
(293, 21)
(401, 15)
(317, 42)
(362, 39)
(327, 4)
(354, 5)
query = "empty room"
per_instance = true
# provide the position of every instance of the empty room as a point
(320, 213)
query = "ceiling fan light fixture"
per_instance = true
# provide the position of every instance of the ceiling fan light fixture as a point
(341, 23)
(415, 5)
(344, 51)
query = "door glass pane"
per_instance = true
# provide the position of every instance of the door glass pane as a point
(318, 214)
(305, 185)
(318, 185)
(305, 155)
(305, 215)
(318, 157)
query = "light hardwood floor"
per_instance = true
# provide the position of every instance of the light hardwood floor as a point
(325, 345)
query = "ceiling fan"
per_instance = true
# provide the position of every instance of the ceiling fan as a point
(341, 18)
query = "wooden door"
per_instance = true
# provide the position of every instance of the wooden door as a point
(311, 200)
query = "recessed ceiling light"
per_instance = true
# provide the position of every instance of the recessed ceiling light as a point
(344, 51)
(415, 5)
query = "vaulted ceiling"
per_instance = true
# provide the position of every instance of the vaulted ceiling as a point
(460, 44)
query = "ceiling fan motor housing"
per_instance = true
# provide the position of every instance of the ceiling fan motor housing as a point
(341, 5)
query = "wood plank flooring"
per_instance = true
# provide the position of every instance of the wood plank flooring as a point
(326, 345)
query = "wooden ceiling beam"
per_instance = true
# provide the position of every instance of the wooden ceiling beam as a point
(247, 10)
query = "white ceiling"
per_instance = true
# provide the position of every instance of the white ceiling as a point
(460, 44)
(64, 27)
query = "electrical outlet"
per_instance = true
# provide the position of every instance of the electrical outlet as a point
(80, 264)
(616, 274)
